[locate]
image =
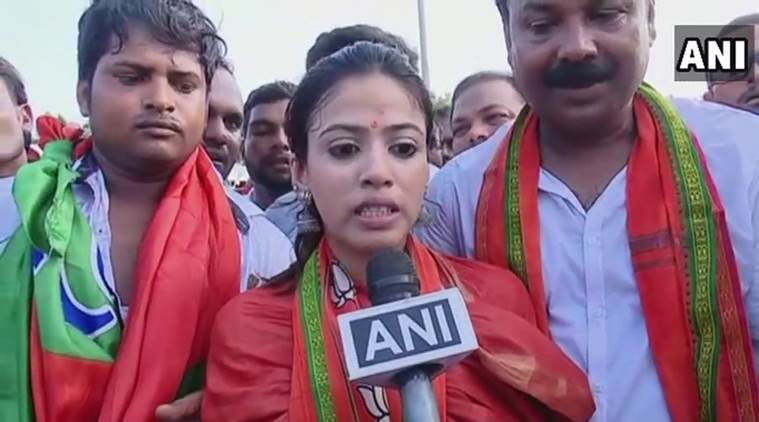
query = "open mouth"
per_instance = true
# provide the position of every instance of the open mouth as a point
(376, 211)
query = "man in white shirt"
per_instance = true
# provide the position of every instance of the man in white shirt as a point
(658, 342)
(129, 238)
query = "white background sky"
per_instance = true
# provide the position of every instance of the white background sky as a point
(268, 39)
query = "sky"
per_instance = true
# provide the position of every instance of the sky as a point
(268, 39)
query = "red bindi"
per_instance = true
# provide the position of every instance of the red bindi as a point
(375, 124)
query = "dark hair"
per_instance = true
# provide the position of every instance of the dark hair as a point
(503, 7)
(361, 58)
(266, 94)
(478, 78)
(328, 43)
(177, 23)
(750, 20)
(13, 81)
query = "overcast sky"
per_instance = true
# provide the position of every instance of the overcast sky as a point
(268, 39)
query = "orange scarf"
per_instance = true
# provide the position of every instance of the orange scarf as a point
(188, 268)
(681, 253)
(321, 390)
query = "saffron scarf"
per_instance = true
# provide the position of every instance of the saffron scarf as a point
(321, 391)
(681, 252)
(66, 356)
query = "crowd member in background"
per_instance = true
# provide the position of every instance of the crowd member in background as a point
(359, 123)
(742, 94)
(266, 152)
(223, 133)
(222, 138)
(127, 245)
(331, 42)
(15, 120)
(443, 122)
(632, 220)
(482, 103)
(435, 152)
(284, 211)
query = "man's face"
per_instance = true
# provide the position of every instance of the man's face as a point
(147, 105)
(578, 62)
(446, 137)
(739, 94)
(267, 154)
(223, 133)
(15, 121)
(480, 110)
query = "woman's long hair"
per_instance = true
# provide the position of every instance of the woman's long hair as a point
(362, 58)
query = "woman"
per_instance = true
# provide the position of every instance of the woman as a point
(358, 126)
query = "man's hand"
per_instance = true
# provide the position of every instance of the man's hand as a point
(186, 409)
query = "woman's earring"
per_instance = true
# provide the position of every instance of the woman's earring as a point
(307, 219)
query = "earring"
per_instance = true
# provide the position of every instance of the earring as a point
(307, 219)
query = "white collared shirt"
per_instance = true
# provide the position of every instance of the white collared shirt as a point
(594, 306)
(265, 250)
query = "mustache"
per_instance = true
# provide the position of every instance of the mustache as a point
(576, 75)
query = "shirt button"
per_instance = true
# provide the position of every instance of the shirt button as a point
(597, 388)
(598, 313)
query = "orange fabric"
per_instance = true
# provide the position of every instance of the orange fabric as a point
(518, 374)
(188, 268)
(655, 230)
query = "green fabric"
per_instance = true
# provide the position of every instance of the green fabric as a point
(53, 227)
(15, 302)
(311, 307)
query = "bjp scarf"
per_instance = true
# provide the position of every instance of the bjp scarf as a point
(681, 252)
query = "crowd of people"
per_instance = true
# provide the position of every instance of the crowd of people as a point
(605, 236)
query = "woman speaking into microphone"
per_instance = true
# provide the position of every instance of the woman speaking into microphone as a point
(359, 124)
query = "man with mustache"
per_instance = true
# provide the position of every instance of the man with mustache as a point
(632, 220)
(742, 94)
(266, 151)
(127, 243)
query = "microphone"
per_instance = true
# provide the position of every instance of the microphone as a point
(405, 339)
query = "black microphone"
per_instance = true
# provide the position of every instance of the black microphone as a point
(391, 277)
(405, 339)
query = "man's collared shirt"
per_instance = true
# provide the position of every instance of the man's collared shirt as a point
(593, 301)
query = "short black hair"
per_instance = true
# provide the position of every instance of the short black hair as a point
(745, 20)
(477, 78)
(330, 42)
(12, 78)
(177, 23)
(266, 94)
(503, 7)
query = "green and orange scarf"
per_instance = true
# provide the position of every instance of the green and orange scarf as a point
(320, 385)
(65, 355)
(681, 252)
(519, 369)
